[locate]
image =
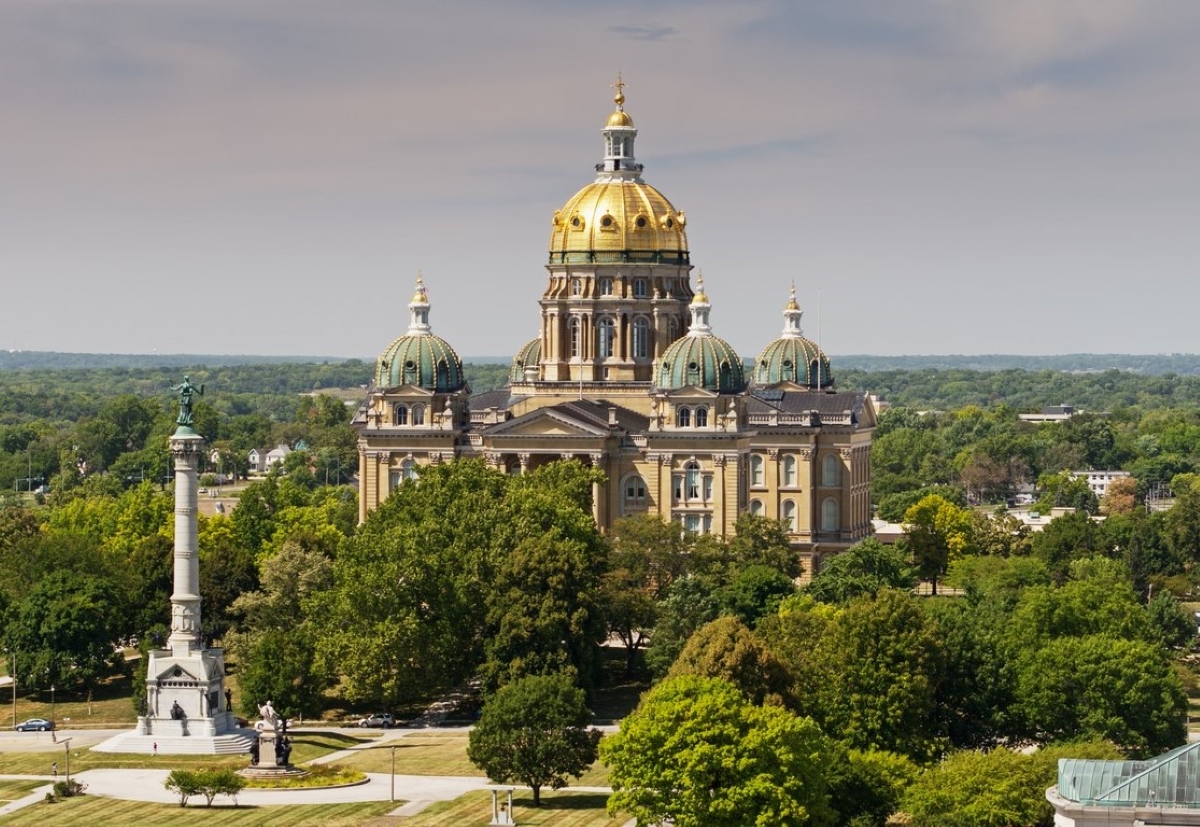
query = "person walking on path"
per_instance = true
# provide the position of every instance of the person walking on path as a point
(156, 749)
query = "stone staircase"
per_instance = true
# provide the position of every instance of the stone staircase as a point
(230, 743)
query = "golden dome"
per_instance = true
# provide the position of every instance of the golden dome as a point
(420, 297)
(792, 305)
(618, 220)
(701, 297)
(619, 118)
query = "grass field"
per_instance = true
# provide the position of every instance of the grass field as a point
(12, 790)
(91, 810)
(305, 746)
(559, 809)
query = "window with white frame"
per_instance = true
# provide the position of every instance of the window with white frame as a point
(830, 515)
(641, 338)
(607, 334)
(635, 492)
(606, 287)
(639, 288)
(683, 417)
(702, 417)
(400, 414)
(789, 515)
(575, 337)
(756, 508)
(418, 414)
(789, 471)
(756, 471)
(408, 469)
(831, 470)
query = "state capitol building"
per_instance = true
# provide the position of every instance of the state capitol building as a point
(627, 375)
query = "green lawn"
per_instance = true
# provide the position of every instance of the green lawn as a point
(12, 790)
(92, 810)
(559, 809)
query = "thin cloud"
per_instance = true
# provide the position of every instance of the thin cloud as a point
(644, 32)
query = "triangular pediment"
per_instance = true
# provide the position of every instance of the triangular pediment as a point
(175, 672)
(692, 394)
(547, 422)
(407, 392)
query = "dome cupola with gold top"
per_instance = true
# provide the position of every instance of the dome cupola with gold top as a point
(792, 357)
(619, 217)
(699, 359)
(419, 357)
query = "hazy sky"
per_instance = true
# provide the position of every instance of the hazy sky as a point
(231, 176)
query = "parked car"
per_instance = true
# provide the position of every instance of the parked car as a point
(379, 719)
(35, 725)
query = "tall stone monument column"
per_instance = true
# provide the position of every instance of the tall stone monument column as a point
(186, 710)
(185, 599)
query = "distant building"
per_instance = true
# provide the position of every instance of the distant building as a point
(1050, 413)
(1099, 481)
(261, 459)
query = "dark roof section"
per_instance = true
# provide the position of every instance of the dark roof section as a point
(490, 399)
(831, 407)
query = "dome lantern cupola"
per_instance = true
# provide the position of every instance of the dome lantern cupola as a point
(619, 218)
(619, 132)
(792, 357)
(420, 357)
(700, 359)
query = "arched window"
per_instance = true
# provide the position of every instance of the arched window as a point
(635, 492)
(418, 414)
(789, 515)
(443, 375)
(394, 480)
(577, 287)
(702, 417)
(606, 287)
(641, 338)
(756, 470)
(756, 508)
(575, 337)
(831, 470)
(408, 469)
(789, 471)
(692, 482)
(683, 417)
(607, 329)
(399, 415)
(830, 518)
(639, 287)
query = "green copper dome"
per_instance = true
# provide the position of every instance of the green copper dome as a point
(419, 357)
(699, 359)
(529, 356)
(424, 360)
(793, 360)
(703, 362)
(791, 357)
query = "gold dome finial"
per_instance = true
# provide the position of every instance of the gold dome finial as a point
(700, 297)
(619, 98)
(420, 297)
(792, 305)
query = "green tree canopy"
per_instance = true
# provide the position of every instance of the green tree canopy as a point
(697, 752)
(534, 731)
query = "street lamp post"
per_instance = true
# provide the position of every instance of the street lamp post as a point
(53, 721)
(393, 772)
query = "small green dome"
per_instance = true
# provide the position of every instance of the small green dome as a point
(424, 360)
(796, 360)
(703, 362)
(530, 355)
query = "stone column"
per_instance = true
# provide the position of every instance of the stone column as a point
(186, 447)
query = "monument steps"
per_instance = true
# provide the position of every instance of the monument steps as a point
(234, 743)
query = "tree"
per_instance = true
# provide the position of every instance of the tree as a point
(865, 786)
(1168, 619)
(1000, 788)
(646, 555)
(534, 731)
(1121, 497)
(689, 604)
(697, 752)
(65, 628)
(938, 532)
(276, 645)
(726, 649)
(879, 661)
(862, 570)
(1101, 686)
